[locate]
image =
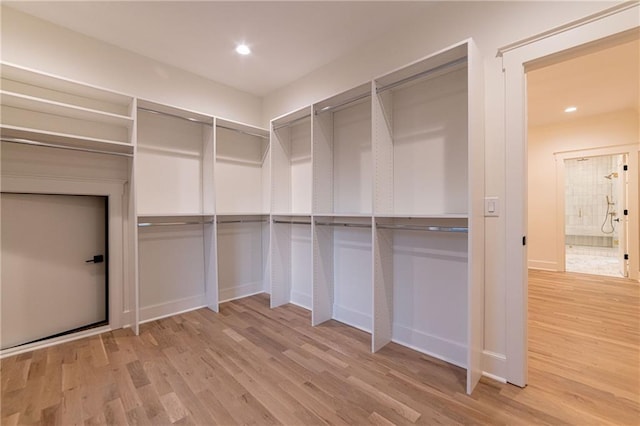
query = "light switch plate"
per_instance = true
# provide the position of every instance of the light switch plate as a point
(491, 206)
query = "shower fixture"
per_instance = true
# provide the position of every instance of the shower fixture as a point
(611, 175)
(608, 217)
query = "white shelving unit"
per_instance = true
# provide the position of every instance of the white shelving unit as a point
(175, 211)
(176, 264)
(291, 260)
(342, 171)
(291, 205)
(241, 169)
(174, 159)
(366, 207)
(429, 224)
(291, 163)
(342, 270)
(42, 109)
(243, 242)
(242, 181)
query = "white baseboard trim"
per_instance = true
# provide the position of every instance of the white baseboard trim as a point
(301, 299)
(239, 291)
(242, 296)
(437, 347)
(163, 310)
(355, 319)
(17, 350)
(494, 366)
(543, 265)
(496, 378)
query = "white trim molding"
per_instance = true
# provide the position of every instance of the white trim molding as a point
(613, 25)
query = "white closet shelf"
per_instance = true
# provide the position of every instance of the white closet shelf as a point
(30, 103)
(423, 216)
(242, 128)
(65, 140)
(288, 214)
(291, 119)
(228, 159)
(343, 215)
(168, 151)
(344, 100)
(236, 214)
(174, 220)
(434, 65)
(195, 117)
(62, 85)
(163, 216)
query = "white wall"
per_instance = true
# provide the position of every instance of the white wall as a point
(34, 43)
(42, 46)
(616, 128)
(492, 25)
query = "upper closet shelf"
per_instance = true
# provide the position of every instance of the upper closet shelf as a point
(42, 85)
(433, 66)
(344, 100)
(174, 220)
(424, 216)
(241, 143)
(30, 103)
(291, 119)
(31, 136)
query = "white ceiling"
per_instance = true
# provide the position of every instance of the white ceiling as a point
(289, 39)
(603, 81)
(292, 38)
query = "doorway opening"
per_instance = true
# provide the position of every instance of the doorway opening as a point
(594, 221)
(54, 266)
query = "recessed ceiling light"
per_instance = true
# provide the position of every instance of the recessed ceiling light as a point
(570, 109)
(243, 49)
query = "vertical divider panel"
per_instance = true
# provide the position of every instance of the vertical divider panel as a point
(475, 298)
(280, 264)
(322, 303)
(322, 155)
(382, 152)
(132, 215)
(208, 208)
(211, 264)
(280, 170)
(382, 287)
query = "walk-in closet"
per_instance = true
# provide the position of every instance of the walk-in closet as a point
(364, 207)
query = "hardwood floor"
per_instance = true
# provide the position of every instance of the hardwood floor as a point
(253, 365)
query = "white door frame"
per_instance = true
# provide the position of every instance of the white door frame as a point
(534, 51)
(114, 191)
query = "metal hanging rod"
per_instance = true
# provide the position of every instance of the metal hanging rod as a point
(243, 221)
(244, 132)
(292, 222)
(457, 229)
(345, 225)
(146, 224)
(430, 71)
(292, 122)
(191, 120)
(57, 146)
(344, 103)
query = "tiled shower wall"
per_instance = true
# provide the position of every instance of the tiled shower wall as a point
(586, 189)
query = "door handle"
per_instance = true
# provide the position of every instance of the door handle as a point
(98, 258)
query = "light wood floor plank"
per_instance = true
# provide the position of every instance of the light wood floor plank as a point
(250, 364)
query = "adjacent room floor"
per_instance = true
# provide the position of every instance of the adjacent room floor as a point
(593, 260)
(253, 365)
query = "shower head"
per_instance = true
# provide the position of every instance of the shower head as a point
(611, 175)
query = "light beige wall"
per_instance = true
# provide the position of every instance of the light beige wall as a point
(42, 46)
(616, 128)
